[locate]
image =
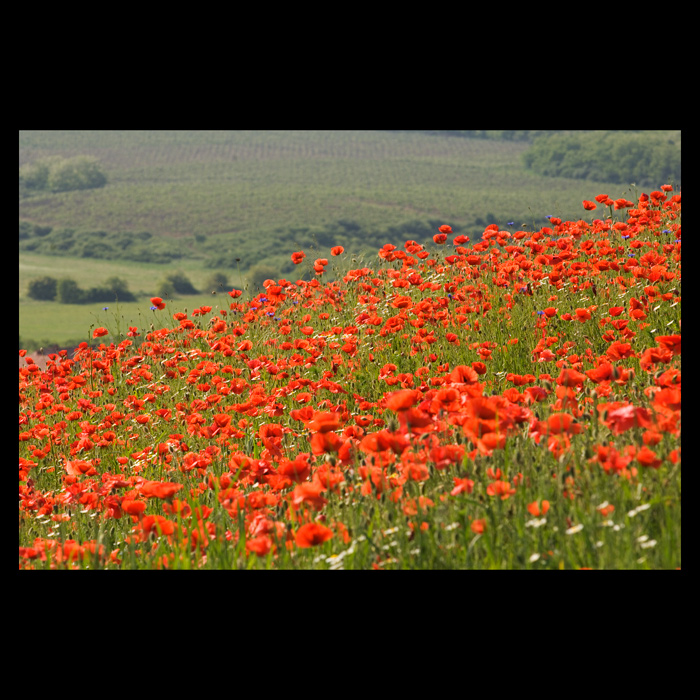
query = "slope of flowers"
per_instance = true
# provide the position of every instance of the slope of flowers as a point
(509, 403)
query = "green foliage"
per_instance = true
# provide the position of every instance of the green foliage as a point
(114, 289)
(175, 283)
(646, 158)
(42, 288)
(181, 283)
(57, 174)
(165, 289)
(217, 282)
(119, 289)
(258, 274)
(139, 246)
(69, 292)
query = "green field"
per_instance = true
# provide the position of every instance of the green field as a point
(43, 323)
(230, 200)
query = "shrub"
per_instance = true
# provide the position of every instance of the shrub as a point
(217, 282)
(35, 176)
(59, 174)
(258, 274)
(42, 288)
(69, 292)
(620, 157)
(119, 289)
(180, 283)
(79, 173)
(165, 289)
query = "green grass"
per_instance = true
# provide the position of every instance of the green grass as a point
(43, 323)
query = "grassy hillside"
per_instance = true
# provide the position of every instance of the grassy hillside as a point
(232, 185)
(228, 200)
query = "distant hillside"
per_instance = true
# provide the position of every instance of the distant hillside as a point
(234, 198)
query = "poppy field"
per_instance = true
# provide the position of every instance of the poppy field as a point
(507, 403)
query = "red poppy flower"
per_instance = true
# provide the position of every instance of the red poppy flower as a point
(464, 374)
(324, 422)
(298, 257)
(619, 351)
(562, 423)
(158, 525)
(158, 303)
(312, 534)
(260, 545)
(500, 488)
(80, 466)
(627, 416)
(337, 250)
(401, 400)
(440, 238)
(648, 458)
(478, 526)
(462, 485)
(670, 342)
(297, 470)
(603, 372)
(538, 509)
(131, 507)
(99, 332)
(570, 377)
(588, 205)
(310, 493)
(160, 489)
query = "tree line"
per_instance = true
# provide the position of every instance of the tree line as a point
(624, 156)
(641, 157)
(67, 291)
(58, 174)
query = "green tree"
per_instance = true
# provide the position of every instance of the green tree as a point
(35, 176)
(166, 289)
(181, 283)
(217, 282)
(59, 174)
(79, 173)
(42, 288)
(258, 274)
(69, 292)
(119, 289)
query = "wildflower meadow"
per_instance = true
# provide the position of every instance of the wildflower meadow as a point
(507, 403)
